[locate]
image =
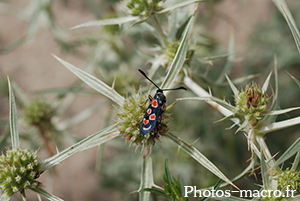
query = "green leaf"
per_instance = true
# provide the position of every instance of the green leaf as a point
(179, 58)
(217, 100)
(199, 91)
(167, 173)
(179, 5)
(146, 179)
(296, 161)
(245, 171)
(140, 21)
(243, 125)
(266, 83)
(274, 105)
(97, 138)
(278, 112)
(216, 187)
(212, 58)
(13, 118)
(93, 82)
(264, 172)
(112, 21)
(46, 194)
(275, 102)
(181, 29)
(4, 197)
(283, 8)
(103, 138)
(239, 80)
(279, 125)
(233, 88)
(293, 149)
(295, 79)
(199, 157)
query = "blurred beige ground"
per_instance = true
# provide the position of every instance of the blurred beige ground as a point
(33, 68)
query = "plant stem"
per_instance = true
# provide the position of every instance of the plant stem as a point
(23, 195)
(47, 141)
(265, 149)
(159, 30)
(270, 161)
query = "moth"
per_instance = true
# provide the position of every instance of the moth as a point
(153, 116)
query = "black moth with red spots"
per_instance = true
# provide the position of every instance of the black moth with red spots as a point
(154, 113)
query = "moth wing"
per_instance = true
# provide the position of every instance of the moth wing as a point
(150, 117)
(161, 110)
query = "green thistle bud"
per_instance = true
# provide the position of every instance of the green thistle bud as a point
(144, 7)
(39, 113)
(111, 29)
(251, 103)
(130, 117)
(289, 178)
(19, 170)
(158, 6)
(171, 50)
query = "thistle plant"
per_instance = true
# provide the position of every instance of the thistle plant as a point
(255, 118)
(130, 110)
(111, 71)
(20, 168)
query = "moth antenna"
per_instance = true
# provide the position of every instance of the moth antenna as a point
(178, 88)
(143, 73)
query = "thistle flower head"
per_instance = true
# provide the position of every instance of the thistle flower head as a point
(144, 8)
(130, 118)
(251, 103)
(39, 113)
(19, 170)
(289, 178)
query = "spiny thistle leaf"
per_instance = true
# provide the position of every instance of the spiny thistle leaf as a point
(199, 157)
(293, 149)
(233, 88)
(80, 146)
(13, 118)
(46, 194)
(179, 58)
(283, 8)
(93, 82)
(112, 21)
(179, 5)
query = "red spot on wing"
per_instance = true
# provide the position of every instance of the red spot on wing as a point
(146, 121)
(152, 100)
(163, 107)
(154, 104)
(159, 118)
(149, 111)
(152, 117)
